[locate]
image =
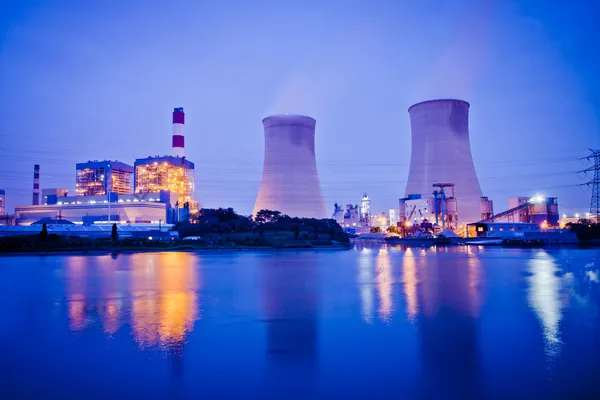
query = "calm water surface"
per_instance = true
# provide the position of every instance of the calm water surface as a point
(373, 322)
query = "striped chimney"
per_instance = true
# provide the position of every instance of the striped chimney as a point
(36, 185)
(178, 140)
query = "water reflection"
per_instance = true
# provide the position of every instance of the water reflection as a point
(164, 299)
(544, 298)
(163, 304)
(365, 282)
(409, 278)
(447, 326)
(290, 298)
(76, 289)
(384, 281)
(290, 303)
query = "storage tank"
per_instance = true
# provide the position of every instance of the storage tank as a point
(451, 210)
(487, 208)
(441, 152)
(290, 180)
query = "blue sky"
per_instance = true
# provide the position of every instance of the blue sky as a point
(99, 80)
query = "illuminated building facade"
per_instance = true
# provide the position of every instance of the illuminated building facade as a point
(168, 173)
(97, 178)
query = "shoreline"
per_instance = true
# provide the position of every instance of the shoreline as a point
(98, 252)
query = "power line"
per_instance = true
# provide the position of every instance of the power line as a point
(594, 157)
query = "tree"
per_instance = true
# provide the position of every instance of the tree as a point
(267, 216)
(44, 232)
(392, 229)
(296, 231)
(114, 233)
(375, 229)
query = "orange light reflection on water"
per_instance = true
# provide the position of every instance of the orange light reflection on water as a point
(164, 300)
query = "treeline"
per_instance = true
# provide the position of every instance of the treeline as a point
(267, 225)
(585, 230)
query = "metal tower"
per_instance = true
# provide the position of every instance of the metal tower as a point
(594, 183)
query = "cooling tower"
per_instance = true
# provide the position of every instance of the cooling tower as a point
(441, 153)
(290, 180)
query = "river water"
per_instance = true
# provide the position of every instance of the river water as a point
(380, 321)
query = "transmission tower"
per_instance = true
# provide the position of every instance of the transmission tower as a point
(594, 157)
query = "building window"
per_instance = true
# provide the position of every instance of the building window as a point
(480, 229)
(492, 229)
(501, 228)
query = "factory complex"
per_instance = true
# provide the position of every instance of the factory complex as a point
(155, 190)
(442, 193)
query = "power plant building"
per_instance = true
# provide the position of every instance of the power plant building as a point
(167, 173)
(441, 153)
(88, 210)
(290, 179)
(97, 178)
(54, 193)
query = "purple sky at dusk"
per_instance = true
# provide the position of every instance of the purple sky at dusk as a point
(86, 80)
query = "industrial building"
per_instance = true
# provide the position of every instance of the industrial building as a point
(167, 173)
(542, 211)
(87, 210)
(290, 179)
(156, 189)
(441, 153)
(172, 173)
(347, 217)
(57, 192)
(97, 178)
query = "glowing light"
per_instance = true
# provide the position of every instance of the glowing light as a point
(576, 215)
(544, 298)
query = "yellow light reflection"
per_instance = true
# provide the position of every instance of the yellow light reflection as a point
(165, 302)
(409, 278)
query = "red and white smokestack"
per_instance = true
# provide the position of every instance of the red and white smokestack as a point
(36, 185)
(178, 140)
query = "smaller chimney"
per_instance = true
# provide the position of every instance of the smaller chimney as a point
(178, 139)
(36, 185)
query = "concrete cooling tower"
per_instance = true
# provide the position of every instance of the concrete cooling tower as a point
(290, 180)
(441, 153)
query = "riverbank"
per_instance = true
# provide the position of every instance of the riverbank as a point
(70, 245)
